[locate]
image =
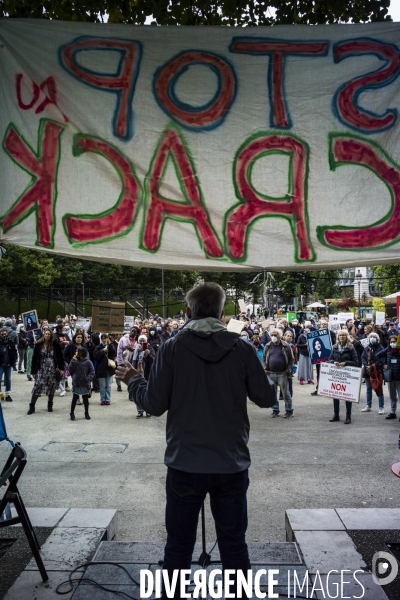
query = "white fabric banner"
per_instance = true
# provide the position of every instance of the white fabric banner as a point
(174, 146)
(340, 382)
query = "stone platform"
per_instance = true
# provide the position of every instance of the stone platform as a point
(318, 544)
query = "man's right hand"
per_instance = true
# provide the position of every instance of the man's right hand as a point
(126, 371)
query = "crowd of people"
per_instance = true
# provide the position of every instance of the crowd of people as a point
(65, 358)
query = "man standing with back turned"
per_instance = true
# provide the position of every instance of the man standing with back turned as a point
(203, 377)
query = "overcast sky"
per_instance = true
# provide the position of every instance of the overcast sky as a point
(394, 10)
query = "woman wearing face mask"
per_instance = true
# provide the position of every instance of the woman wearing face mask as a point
(305, 370)
(369, 357)
(390, 360)
(245, 336)
(288, 338)
(154, 338)
(343, 355)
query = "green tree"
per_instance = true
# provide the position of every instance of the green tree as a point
(390, 276)
(202, 12)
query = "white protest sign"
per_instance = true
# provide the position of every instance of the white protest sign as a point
(242, 305)
(334, 323)
(340, 382)
(235, 326)
(128, 323)
(379, 318)
(173, 147)
(368, 316)
(364, 342)
(345, 316)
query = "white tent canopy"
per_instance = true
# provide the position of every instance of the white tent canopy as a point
(316, 305)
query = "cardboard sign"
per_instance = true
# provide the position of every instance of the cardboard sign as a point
(108, 317)
(319, 346)
(379, 317)
(30, 320)
(340, 382)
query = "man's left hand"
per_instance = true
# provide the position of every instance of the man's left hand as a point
(126, 371)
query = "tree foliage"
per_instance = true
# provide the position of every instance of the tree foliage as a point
(390, 275)
(201, 12)
(30, 269)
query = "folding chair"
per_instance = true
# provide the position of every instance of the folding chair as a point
(9, 477)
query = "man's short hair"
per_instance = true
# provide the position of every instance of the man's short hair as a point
(206, 300)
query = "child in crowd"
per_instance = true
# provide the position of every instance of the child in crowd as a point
(82, 372)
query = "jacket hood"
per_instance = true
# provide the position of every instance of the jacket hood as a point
(207, 338)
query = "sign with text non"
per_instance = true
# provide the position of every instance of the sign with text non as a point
(340, 382)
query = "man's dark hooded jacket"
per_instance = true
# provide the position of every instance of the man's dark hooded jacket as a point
(203, 377)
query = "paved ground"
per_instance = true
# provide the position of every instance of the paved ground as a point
(305, 462)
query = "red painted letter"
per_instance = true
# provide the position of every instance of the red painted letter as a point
(277, 51)
(252, 206)
(201, 118)
(120, 218)
(159, 209)
(41, 195)
(122, 83)
(346, 150)
(345, 100)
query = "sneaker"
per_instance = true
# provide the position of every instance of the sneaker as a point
(20, 372)
(67, 389)
(314, 393)
(63, 393)
(310, 381)
(148, 416)
(301, 381)
(30, 379)
(274, 414)
(107, 403)
(9, 399)
(119, 389)
(381, 411)
(288, 415)
(391, 416)
(366, 409)
(139, 416)
(103, 403)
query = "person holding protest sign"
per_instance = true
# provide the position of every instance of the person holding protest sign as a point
(305, 370)
(343, 355)
(207, 427)
(369, 358)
